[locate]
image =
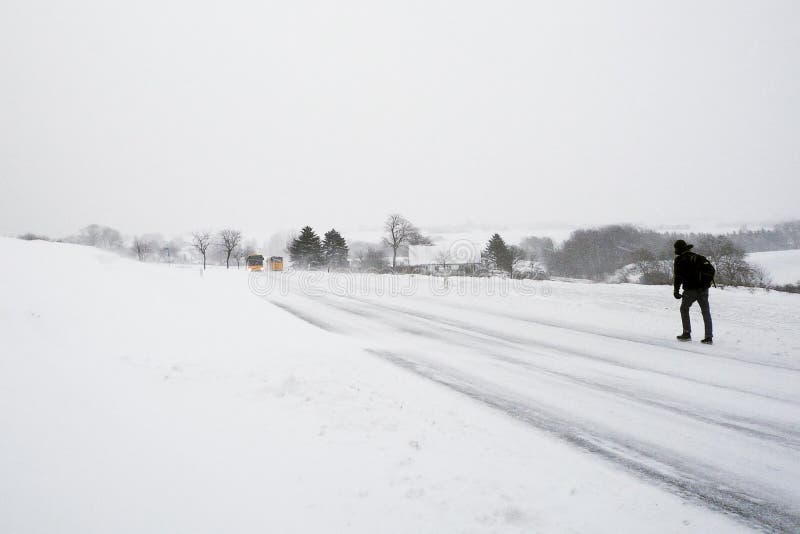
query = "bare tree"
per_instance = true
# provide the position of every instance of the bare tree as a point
(516, 257)
(398, 230)
(729, 260)
(172, 249)
(156, 241)
(201, 241)
(415, 237)
(141, 247)
(110, 238)
(654, 271)
(90, 235)
(229, 240)
(99, 236)
(244, 250)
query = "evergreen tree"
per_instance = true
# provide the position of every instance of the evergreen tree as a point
(498, 253)
(334, 250)
(305, 250)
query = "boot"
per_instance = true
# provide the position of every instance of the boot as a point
(686, 336)
(707, 341)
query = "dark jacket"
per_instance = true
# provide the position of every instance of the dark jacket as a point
(687, 272)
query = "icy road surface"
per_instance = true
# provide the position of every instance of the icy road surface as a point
(599, 368)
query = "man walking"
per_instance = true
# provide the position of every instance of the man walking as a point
(696, 274)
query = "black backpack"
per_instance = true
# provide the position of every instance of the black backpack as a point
(704, 270)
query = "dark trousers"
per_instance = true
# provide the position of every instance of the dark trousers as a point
(701, 296)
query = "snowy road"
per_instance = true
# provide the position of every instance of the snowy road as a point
(471, 406)
(718, 426)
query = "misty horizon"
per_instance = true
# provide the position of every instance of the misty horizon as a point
(558, 231)
(171, 117)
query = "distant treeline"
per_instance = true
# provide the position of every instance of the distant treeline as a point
(784, 236)
(223, 247)
(599, 253)
(596, 253)
(609, 253)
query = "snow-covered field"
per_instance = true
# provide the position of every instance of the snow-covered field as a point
(147, 398)
(782, 266)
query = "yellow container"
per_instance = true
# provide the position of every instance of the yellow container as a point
(276, 263)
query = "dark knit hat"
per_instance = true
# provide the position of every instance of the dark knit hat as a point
(681, 246)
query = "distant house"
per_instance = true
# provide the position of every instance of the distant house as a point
(457, 258)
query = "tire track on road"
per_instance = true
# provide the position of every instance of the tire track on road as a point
(642, 461)
(675, 471)
(755, 428)
(527, 342)
(574, 327)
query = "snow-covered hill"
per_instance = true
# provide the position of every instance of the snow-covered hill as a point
(148, 398)
(782, 266)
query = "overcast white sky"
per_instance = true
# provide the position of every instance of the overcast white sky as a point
(165, 115)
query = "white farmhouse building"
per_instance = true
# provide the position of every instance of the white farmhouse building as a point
(457, 257)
